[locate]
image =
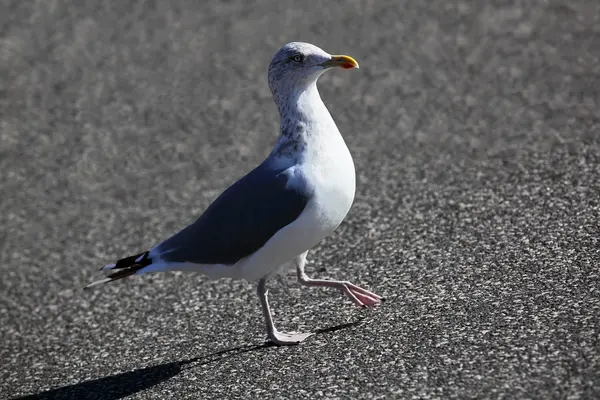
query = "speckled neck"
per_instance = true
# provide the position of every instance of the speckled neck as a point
(302, 115)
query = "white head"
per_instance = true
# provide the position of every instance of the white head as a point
(297, 65)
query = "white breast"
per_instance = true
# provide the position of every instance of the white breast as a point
(331, 169)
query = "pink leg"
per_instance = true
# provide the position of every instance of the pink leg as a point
(360, 296)
(278, 338)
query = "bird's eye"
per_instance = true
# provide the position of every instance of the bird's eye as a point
(297, 58)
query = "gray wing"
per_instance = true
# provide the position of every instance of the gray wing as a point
(242, 219)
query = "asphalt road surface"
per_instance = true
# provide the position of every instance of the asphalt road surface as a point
(475, 130)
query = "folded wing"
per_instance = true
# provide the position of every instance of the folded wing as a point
(241, 220)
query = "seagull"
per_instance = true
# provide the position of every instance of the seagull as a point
(268, 220)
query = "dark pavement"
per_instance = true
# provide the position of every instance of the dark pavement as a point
(475, 130)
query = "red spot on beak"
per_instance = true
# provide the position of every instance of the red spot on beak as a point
(345, 62)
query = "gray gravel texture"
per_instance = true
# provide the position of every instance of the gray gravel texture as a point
(475, 130)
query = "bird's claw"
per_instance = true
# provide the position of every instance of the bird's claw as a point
(288, 338)
(360, 296)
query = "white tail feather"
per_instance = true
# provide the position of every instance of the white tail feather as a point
(99, 282)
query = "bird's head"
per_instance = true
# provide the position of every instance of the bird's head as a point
(297, 65)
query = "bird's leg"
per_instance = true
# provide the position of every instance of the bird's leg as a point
(279, 338)
(360, 296)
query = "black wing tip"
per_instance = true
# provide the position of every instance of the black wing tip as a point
(138, 259)
(123, 268)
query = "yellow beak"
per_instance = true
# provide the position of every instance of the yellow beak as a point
(345, 62)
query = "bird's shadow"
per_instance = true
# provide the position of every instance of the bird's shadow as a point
(127, 383)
